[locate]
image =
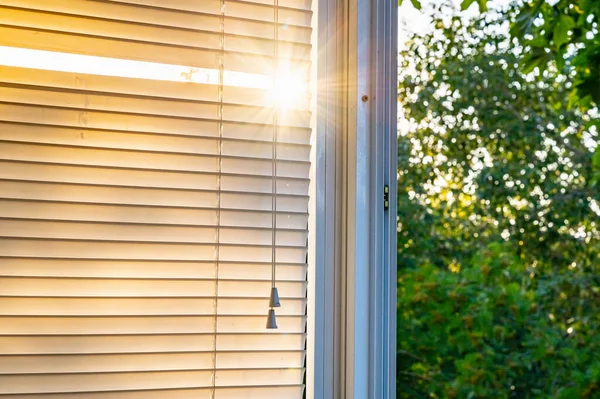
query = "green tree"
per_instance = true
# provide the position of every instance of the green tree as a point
(567, 33)
(564, 32)
(498, 221)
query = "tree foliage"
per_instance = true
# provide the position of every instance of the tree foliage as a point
(498, 225)
(567, 33)
(564, 32)
(492, 331)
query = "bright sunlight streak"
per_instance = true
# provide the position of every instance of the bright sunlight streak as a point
(288, 89)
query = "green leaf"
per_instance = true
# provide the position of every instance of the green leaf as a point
(539, 41)
(573, 98)
(523, 22)
(593, 87)
(482, 5)
(416, 3)
(560, 60)
(589, 88)
(569, 393)
(532, 61)
(561, 30)
(595, 372)
(466, 4)
(596, 159)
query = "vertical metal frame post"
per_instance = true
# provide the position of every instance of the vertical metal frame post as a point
(352, 274)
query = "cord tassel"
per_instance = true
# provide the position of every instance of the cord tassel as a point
(274, 300)
(271, 321)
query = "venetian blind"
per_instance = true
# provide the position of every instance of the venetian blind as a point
(136, 214)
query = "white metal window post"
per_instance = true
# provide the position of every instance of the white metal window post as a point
(352, 280)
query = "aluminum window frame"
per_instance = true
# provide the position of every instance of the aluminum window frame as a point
(351, 340)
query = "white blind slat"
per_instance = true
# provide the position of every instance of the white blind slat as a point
(92, 119)
(103, 382)
(101, 139)
(150, 215)
(141, 196)
(37, 267)
(147, 142)
(117, 85)
(144, 87)
(183, 393)
(26, 286)
(292, 14)
(145, 325)
(15, 36)
(147, 178)
(288, 376)
(22, 286)
(147, 233)
(150, 34)
(148, 380)
(146, 306)
(103, 250)
(105, 363)
(62, 344)
(268, 392)
(87, 249)
(170, 108)
(204, 163)
(58, 366)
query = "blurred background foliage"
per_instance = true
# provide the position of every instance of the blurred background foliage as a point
(563, 32)
(499, 211)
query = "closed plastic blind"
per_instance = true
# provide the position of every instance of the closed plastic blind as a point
(135, 214)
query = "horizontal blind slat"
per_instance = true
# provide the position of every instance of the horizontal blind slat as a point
(111, 194)
(146, 306)
(191, 91)
(139, 142)
(148, 215)
(167, 17)
(23, 286)
(266, 392)
(92, 119)
(90, 268)
(299, 4)
(63, 383)
(26, 286)
(63, 344)
(57, 365)
(84, 100)
(68, 43)
(50, 172)
(182, 393)
(27, 228)
(47, 40)
(249, 392)
(236, 8)
(205, 162)
(29, 325)
(202, 38)
(48, 383)
(47, 248)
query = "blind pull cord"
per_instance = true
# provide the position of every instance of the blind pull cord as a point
(274, 297)
(219, 178)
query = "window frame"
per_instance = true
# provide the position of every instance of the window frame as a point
(351, 340)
